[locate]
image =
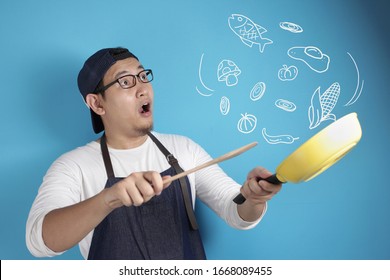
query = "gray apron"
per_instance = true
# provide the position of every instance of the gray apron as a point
(163, 228)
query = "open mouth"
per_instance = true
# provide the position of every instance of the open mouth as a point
(145, 108)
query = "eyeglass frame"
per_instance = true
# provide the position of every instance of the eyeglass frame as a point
(135, 78)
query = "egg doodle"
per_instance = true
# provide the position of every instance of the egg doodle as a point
(278, 139)
(312, 56)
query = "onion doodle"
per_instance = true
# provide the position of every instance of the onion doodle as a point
(285, 105)
(292, 27)
(257, 91)
(224, 105)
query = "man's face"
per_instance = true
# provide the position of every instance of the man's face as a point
(129, 110)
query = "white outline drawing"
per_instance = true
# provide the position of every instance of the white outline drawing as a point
(322, 105)
(248, 31)
(292, 27)
(355, 97)
(247, 123)
(312, 56)
(257, 91)
(278, 139)
(285, 105)
(228, 72)
(201, 93)
(292, 74)
(201, 80)
(224, 105)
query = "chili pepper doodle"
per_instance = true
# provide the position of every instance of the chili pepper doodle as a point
(278, 139)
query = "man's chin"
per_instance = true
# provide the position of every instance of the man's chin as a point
(145, 130)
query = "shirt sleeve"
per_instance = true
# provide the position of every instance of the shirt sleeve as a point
(60, 188)
(217, 190)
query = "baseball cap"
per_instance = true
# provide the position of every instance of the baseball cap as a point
(93, 71)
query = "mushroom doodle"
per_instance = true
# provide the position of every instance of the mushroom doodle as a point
(228, 72)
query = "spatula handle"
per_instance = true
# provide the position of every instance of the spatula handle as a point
(273, 179)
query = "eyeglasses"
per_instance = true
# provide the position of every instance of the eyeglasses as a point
(129, 81)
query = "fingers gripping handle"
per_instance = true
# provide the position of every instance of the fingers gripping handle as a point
(273, 179)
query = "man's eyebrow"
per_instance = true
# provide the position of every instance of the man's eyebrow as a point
(122, 73)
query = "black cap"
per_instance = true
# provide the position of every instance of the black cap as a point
(93, 71)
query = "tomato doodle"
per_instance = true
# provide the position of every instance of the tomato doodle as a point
(247, 123)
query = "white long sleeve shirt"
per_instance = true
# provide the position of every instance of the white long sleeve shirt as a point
(80, 174)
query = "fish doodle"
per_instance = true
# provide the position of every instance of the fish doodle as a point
(322, 105)
(249, 32)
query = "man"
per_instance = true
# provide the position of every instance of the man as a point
(110, 197)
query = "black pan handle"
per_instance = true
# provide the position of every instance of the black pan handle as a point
(273, 179)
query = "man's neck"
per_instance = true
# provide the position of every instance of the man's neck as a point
(123, 142)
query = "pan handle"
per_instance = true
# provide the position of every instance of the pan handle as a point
(273, 179)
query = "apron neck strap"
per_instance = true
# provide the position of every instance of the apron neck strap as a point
(106, 157)
(183, 182)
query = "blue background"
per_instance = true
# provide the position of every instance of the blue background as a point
(342, 214)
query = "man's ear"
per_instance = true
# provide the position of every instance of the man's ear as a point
(94, 102)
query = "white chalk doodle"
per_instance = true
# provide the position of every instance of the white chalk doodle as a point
(224, 105)
(228, 72)
(247, 123)
(285, 105)
(201, 80)
(257, 91)
(288, 73)
(292, 27)
(356, 95)
(278, 139)
(322, 105)
(249, 32)
(312, 56)
(201, 93)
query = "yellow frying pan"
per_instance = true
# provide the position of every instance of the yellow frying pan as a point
(318, 153)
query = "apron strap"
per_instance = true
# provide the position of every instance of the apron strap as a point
(183, 182)
(106, 157)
